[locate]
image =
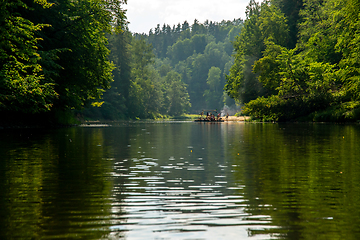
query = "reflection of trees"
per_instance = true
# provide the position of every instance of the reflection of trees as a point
(199, 145)
(307, 176)
(54, 184)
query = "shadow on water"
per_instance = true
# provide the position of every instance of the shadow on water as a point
(306, 176)
(181, 180)
(55, 183)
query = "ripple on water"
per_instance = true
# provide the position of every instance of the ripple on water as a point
(195, 168)
(159, 204)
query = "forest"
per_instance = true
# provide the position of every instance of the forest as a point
(54, 57)
(71, 60)
(298, 60)
(169, 72)
(288, 60)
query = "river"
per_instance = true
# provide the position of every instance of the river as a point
(181, 180)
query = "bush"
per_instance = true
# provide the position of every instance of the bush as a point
(275, 108)
(349, 111)
(266, 109)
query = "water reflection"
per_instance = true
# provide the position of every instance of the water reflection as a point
(181, 180)
(308, 174)
(178, 184)
(54, 184)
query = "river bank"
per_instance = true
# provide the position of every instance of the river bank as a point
(39, 122)
(237, 119)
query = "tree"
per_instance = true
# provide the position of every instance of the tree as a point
(194, 52)
(320, 29)
(86, 70)
(291, 10)
(268, 67)
(348, 45)
(199, 42)
(116, 99)
(181, 50)
(200, 68)
(176, 95)
(213, 95)
(23, 87)
(54, 56)
(306, 79)
(145, 96)
(263, 24)
(242, 84)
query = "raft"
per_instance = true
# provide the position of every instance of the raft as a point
(211, 116)
(207, 120)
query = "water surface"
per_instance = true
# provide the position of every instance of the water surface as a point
(181, 180)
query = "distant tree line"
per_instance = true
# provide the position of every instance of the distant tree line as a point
(289, 59)
(169, 71)
(298, 59)
(201, 54)
(138, 90)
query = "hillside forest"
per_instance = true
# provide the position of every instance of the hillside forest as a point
(170, 71)
(74, 59)
(298, 60)
(288, 60)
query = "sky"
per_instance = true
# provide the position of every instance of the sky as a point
(146, 14)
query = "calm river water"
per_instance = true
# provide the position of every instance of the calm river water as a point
(181, 180)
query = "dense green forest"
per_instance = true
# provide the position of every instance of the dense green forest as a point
(289, 59)
(53, 56)
(73, 59)
(138, 90)
(298, 59)
(170, 71)
(201, 54)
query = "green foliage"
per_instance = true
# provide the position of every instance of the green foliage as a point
(143, 87)
(348, 46)
(318, 79)
(349, 111)
(276, 108)
(291, 10)
(213, 95)
(145, 96)
(265, 108)
(192, 52)
(273, 25)
(301, 85)
(292, 58)
(268, 67)
(181, 49)
(85, 69)
(265, 24)
(176, 96)
(53, 56)
(320, 29)
(22, 83)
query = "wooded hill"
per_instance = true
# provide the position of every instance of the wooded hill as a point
(170, 71)
(298, 60)
(201, 53)
(77, 58)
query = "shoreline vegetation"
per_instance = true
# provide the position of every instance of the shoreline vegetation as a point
(29, 124)
(298, 60)
(288, 61)
(185, 118)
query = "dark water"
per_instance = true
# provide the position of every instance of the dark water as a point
(181, 180)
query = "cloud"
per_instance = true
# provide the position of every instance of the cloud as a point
(146, 14)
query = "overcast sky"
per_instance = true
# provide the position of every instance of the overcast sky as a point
(146, 14)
